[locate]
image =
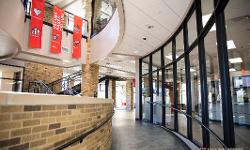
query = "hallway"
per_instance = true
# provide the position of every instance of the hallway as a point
(129, 134)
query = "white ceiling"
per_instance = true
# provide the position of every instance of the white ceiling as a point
(164, 16)
(155, 20)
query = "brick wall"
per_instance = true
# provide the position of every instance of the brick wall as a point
(47, 126)
(112, 90)
(129, 95)
(46, 73)
(99, 140)
(89, 85)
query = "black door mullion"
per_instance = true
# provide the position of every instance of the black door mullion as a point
(163, 123)
(140, 89)
(151, 89)
(175, 85)
(203, 76)
(188, 82)
(227, 112)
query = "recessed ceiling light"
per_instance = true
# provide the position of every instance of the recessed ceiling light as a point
(235, 60)
(230, 44)
(150, 26)
(144, 38)
(136, 52)
(232, 69)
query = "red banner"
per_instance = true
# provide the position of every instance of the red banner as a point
(58, 19)
(77, 37)
(36, 23)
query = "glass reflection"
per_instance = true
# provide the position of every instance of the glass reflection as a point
(169, 97)
(195, 95)
(237, 25)
(181, 89)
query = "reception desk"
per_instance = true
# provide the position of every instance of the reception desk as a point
(43, 121)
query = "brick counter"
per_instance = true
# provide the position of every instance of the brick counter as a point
(37, 125)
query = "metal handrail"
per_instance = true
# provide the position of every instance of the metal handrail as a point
(84, 135)
(40, 82)
(73, 75)
(198, 121)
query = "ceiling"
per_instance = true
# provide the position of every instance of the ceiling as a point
(237, 16)
(148, 24)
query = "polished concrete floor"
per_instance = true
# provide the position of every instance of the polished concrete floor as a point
(129, 134)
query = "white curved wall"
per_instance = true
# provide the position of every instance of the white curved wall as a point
(105, 41)
(11, 27)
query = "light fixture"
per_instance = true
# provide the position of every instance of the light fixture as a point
(136, 52)
(232, 69)
(170, 57)
(205, 19)
(235, 60)
(191, 70)
(230, 44)
(66, 61)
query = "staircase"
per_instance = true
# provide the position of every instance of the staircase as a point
(64, 86)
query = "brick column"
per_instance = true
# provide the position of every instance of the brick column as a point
(129, 95)
(112, 90)
(89, 85)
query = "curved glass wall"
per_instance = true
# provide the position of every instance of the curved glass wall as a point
(103, 11)
(203, 75)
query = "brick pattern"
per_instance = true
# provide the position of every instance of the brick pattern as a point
(112, 90)
(46, 73)
(46, 126)
(90, 80)
(99, 140)
(129, 95)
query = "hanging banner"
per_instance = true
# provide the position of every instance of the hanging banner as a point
(77, 37)
(58, 19)
(36, 23)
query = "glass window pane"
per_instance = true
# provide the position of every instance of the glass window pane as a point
(145, 65)
(168, 53)
(169, 97)
(182, 102)
(192, 28)
(195, 95)
(207, 7)
(214, 91)
(156, 60)
(157, 97)
(237, 25)
(145, 97)
(179, 44)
